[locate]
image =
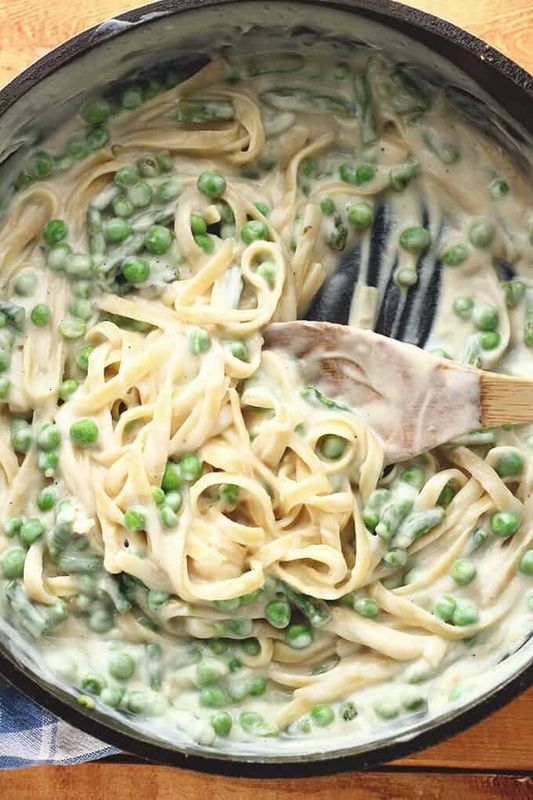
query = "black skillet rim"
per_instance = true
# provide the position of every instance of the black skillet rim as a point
(507, 80)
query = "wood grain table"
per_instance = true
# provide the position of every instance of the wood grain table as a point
(491, 760)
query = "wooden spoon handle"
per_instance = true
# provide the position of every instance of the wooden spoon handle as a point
(505, 399)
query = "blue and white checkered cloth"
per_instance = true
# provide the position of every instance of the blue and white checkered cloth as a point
(31, 736)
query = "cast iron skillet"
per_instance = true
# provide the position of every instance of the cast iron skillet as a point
(512, 89)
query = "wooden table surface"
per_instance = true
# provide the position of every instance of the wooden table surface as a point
(491, 760)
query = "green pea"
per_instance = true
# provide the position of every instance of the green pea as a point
(198, 225)
(112, 696)
(84, 432)
(348, 711)
(126, 176)
(135, 270)
(57, 256)
(510, 464)
(5, 388)
(157, 240)
(250, 646)
(84, 701)
(96, 112)
(92, 683)
(13, 563)
(366, 607)
(348, 173)
(332, 447)
(360, 215)
(213, 697)
(40, 315)
(168, 516)
(167, 192)
(43, 164)
(55, 231)
(205, 242)
(253, 231)
(98, 137)
(227, 605)
(77, 148)
(72, 328)
(513, 292)
(135, 518)
(252, 722)
(131, 98)
(136, 702)
(21, 436)
(157, 598)
(465, 613)
(218, 646)
(278, 613)
(25, 283)
(414, 476)
(322, 715)
(498, 188)
(82, 309)
(454, 255)
(481, 233)
(486, 318)
(396, 557)
(122, 206)
(173, 500)
(47, 462)
(267, 270)
(49, 437)
(30, 531)
(79, 265)
(121, 666)
(386, 710)
(463, 571)
(67, 389)
(463, 307)
(101, 620)
(209, 671)
(199, 341)
(504, 523)
(414, 703)
(148, 167)
(239, 349)
(46, 498)
(12, 526)
(140, 194)
(190, 467)
(405, 277)
(526, 563)
(116, 230)
(158, 495)
(489, 340)
(211, 184)
(298, 637)
(415, 239)
(327, 206)
(164, 161)
(221, 722)
(172, 477)
(263, 208)
(229, 493)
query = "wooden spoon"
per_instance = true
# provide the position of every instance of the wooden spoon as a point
(411, 399)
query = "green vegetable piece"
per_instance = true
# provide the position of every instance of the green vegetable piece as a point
(213, 697)
(43, 164)
(445, 151)
(96, 112)
(55, 231)
(198, 225)
(84, 432)
(122, 206)
(82, 357)
(157, 598)
(447, 495)
(46, 499)
(135, 518)
(504, 523)
(463, 307)
(205, 242)
(386, 710)
(212, 110)
(174, 500)
(396, 557)
(12, 563)
(525, 565)
(101, 620)
(135, 270)
(148, 167)
(168, 516)
(239, 349)
(402, 174)
(167, 192)
(140, 194)
(278, 613)
(486, 318)
(391, 518)
(126, 176)
(229, 493)
(418, 523)
(21, 435)
(116, 230)
(415, 239)
(25, 283)
(481, 232)
(510, 464)
(81, 308)
(513, 292)
(30, 531)
(190, 467)
(360, 215)
(498, 188)
(209, 671)
(157, 240)
(463, 571)
(253, 231)
(263, 208)
(97, 137)
(298, 637)
(267, 270)
(48, 462)
(67, 389)
(366, 607)
(489, 340)
(250, 646)
(136, 702)
(73, 328)
(454, 255)
(112, 696)
(211, 184)
(221, 722)
(131, 98)
(77, 148)
(332, 447)
(121, 666)
(322, 715)
(348, 711)
(57, 256)
(5, 388)
(12, 526)
(172, 477)
(49, 437)
(254, 723)
(465, 613)
(414, 476)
